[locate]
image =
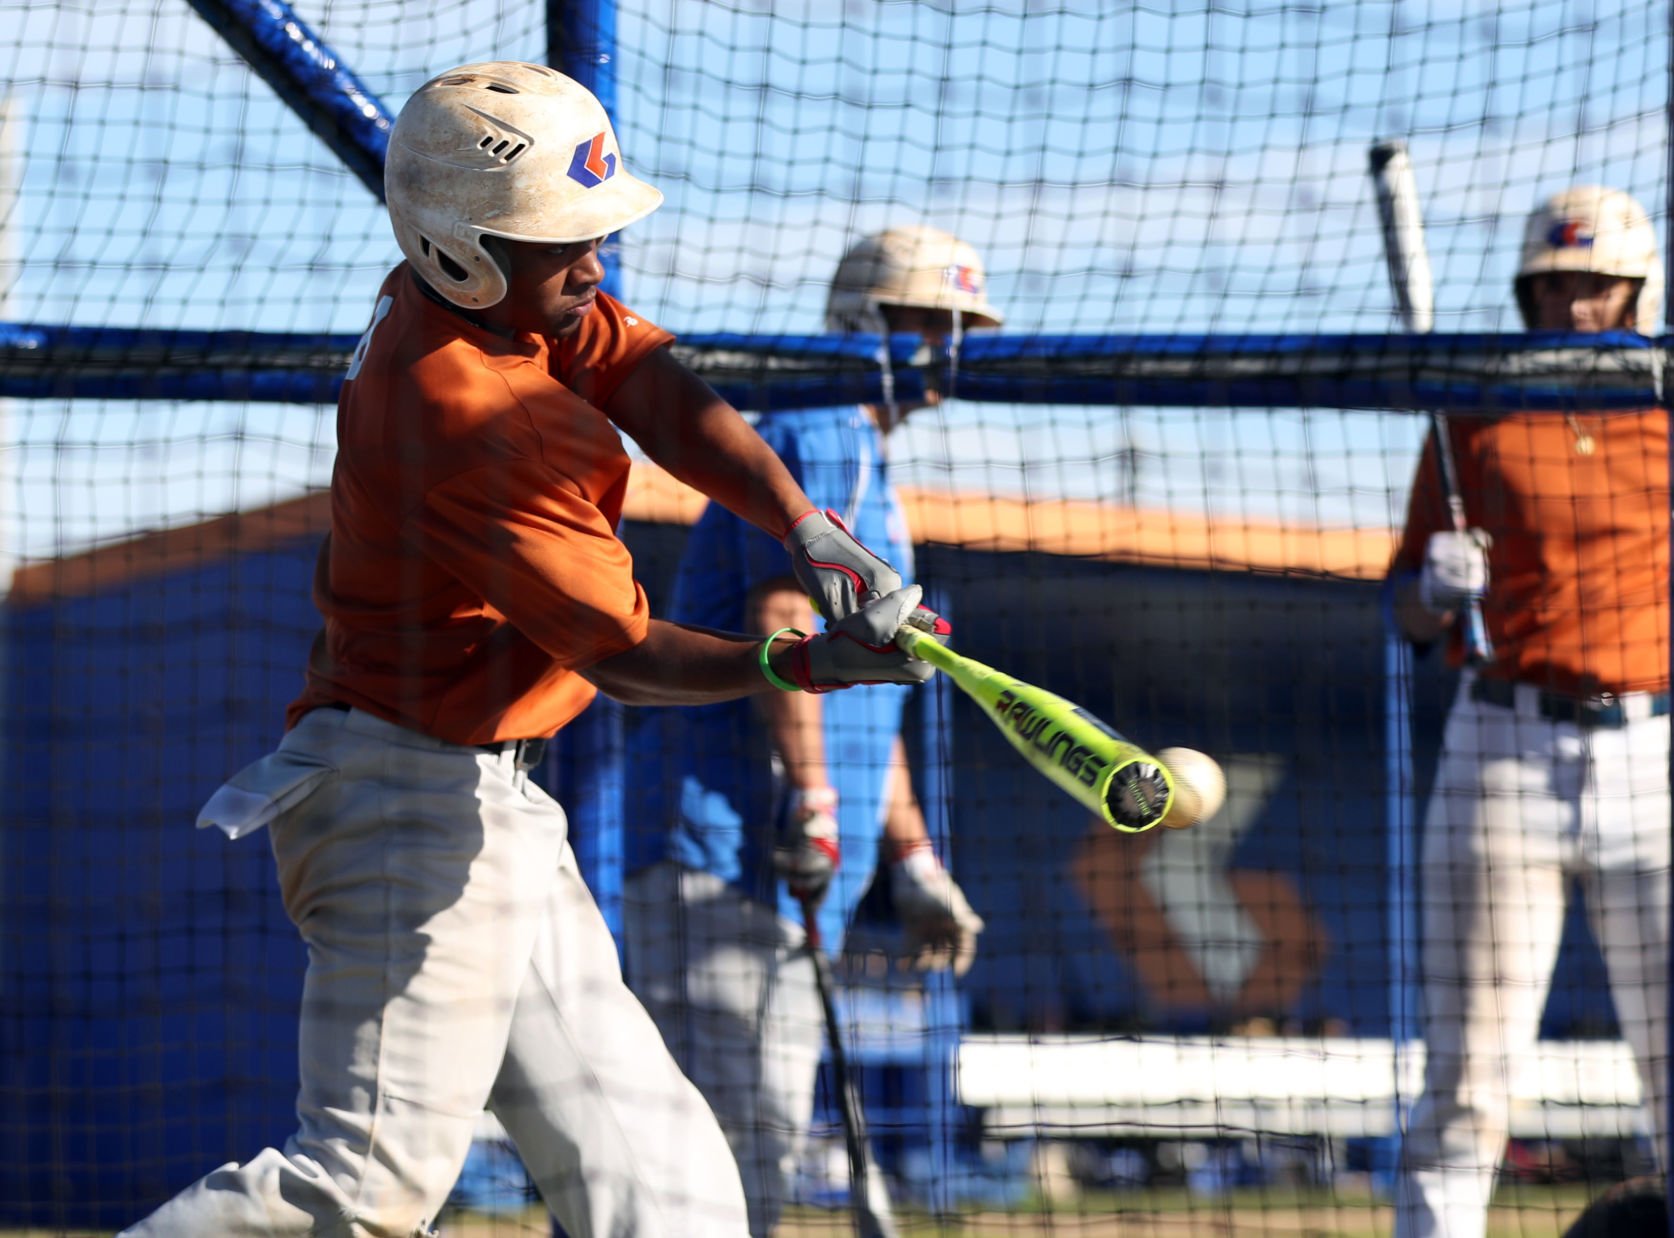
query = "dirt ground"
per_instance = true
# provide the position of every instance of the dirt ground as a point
(1534, 1213)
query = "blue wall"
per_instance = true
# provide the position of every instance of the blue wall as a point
(150, 975)
(149, 978)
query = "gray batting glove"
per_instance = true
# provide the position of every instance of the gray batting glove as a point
(838, 574)
(1455, 570)
(859, 649)
(807, 853)
(940, 926)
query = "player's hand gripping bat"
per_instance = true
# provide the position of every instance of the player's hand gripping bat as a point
(1404, 249)
(1125, 785)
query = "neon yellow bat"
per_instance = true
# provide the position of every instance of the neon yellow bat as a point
(1120, 781)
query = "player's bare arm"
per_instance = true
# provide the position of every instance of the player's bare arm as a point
(903, 822)
(793, 718)
(808, 852)
(678, 664)
(679, 421)
(701, 439)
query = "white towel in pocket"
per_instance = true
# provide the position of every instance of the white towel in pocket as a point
(261, 791)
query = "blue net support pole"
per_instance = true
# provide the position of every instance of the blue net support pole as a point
(1401, 858)
(944, 1012)
(1668, 327)
(309, 77)
(590, 758)
(580, 43)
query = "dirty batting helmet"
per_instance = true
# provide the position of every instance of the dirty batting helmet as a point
(1603, 231)
(914, 266)
(502, 149)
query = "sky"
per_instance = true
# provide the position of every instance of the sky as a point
(1154, 167)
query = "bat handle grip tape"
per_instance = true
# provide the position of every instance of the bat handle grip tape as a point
(773, 677)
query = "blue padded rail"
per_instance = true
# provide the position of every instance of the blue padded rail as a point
(1465, 373)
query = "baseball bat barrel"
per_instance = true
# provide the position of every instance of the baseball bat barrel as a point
(1401, 218)
(1404, 249)
(1099, 767)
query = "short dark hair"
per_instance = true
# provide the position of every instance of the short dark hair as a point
(1637, 1208)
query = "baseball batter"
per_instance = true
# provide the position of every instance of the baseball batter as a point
(786, 798)
(1554, 764)
(475, 596)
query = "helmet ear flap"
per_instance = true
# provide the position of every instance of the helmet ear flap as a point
(1523, 286)
(495, 248)
(444, 261)
(472, 279)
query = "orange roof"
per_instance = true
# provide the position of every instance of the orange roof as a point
(165, 550)
(1087, 529)
(1078, 528)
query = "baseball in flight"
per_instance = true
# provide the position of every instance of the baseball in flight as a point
(1199, 786)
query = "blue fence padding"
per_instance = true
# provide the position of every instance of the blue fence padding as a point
(1459, 372)
(307, 74)
(149, 978)
(1462, 373)
(585, 773)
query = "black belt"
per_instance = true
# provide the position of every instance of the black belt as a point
(527, 753)
(1604, 710)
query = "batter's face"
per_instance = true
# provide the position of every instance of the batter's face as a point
(549, 288)
(1581, 301)
(936, 326)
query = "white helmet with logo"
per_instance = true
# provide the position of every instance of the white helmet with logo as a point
(915, 266)
(503, 149)
(1604, 231)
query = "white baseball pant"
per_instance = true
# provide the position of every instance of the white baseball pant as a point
(456, 961)
(731, 986)
(1521, 806)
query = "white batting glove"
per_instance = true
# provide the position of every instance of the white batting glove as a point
(1455, 570)
(838, 574)
(940, 926)
(807, 853)
(861, 648)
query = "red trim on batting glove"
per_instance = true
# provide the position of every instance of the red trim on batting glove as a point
(799, 669)
(812, 511)
(899, 853)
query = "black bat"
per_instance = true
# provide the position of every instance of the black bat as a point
(868, 1193)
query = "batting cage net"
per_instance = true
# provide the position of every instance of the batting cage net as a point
(1411, 973)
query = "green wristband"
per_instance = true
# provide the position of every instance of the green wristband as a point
(773, 676)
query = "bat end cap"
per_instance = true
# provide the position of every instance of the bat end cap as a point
(1137, 797)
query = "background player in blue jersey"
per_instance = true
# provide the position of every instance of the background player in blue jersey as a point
(799, 796)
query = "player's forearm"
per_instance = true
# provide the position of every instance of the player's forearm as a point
(680, 665)
(795, 720)
(701, 439)
(904, 829)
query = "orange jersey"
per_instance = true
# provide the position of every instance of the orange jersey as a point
(472, 564)
(1578, 571)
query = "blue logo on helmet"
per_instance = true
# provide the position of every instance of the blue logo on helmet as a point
(1570, 234)
(591, 166)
